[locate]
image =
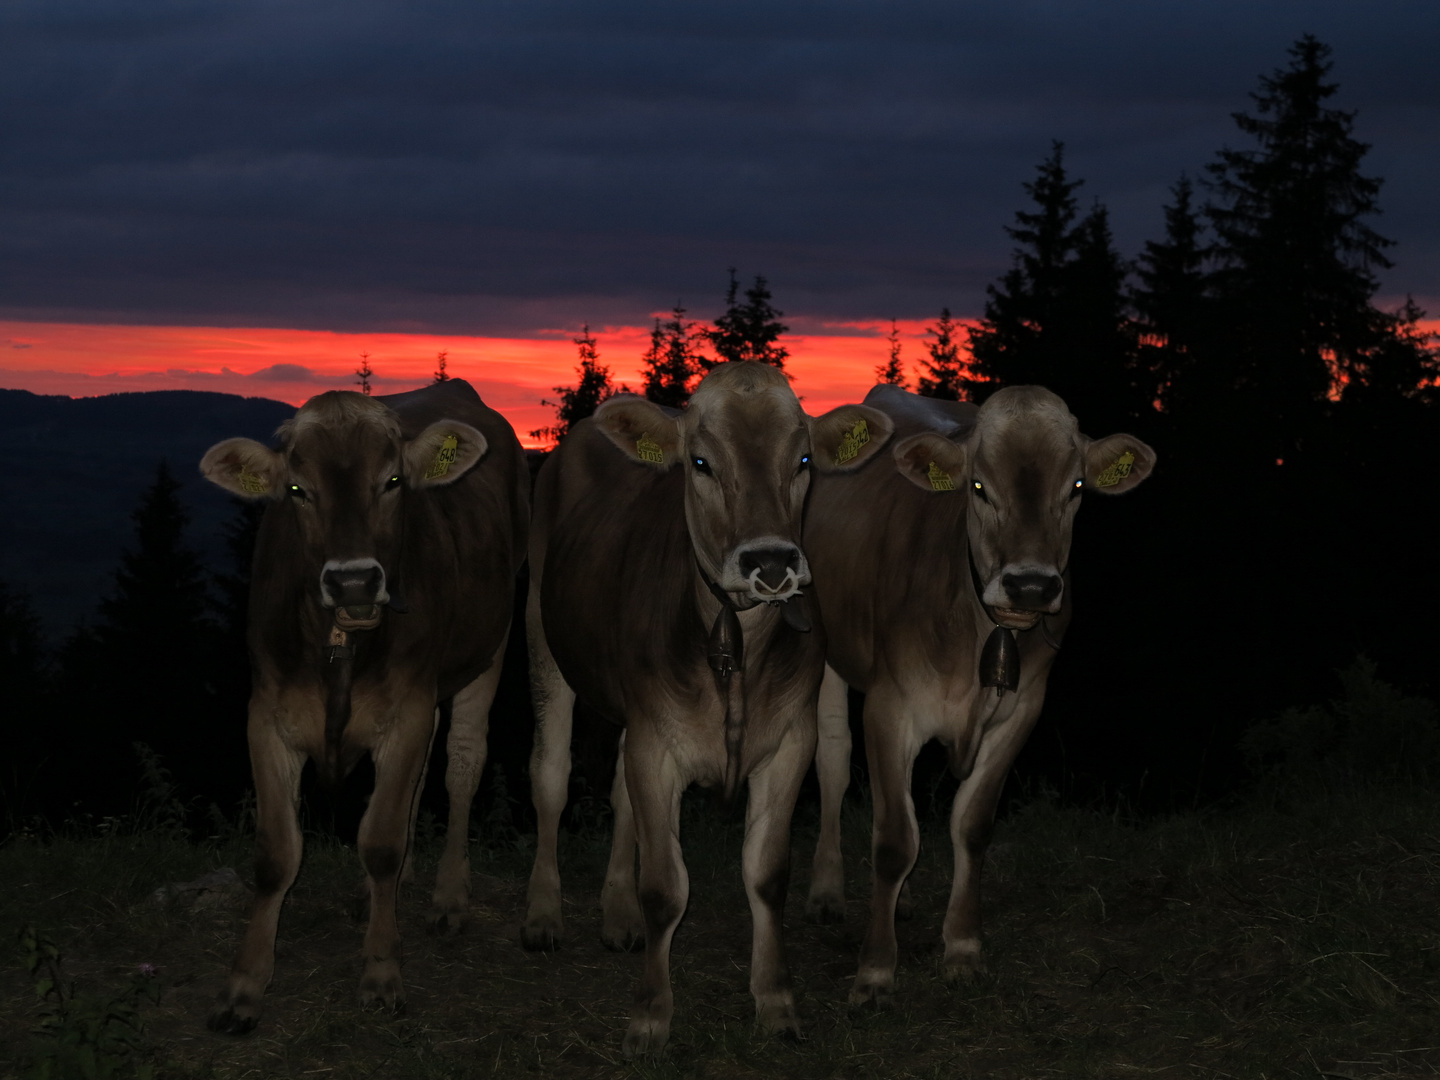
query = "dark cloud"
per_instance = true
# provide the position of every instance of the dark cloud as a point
(284, 373)
(503, 166)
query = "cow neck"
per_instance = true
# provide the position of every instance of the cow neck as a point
(1000, 658)
(725, 653)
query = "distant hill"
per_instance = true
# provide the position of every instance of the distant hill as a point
(74, 469)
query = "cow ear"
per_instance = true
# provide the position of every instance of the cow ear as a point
(845, 438)
(442, 453)
(932, 462)
(1116, 464)
(246, 468)
(641, 429)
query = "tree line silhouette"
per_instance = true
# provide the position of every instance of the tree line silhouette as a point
(1286, 531)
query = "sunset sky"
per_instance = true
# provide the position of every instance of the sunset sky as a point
(246, 196)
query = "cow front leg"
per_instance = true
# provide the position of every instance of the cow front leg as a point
(826, 903)
(655, 788)
(554, 703)
(971, 818)
(622, 926)
(765, 860)
(895, 841)
(276, 767)
(464, 762)
(383, 840)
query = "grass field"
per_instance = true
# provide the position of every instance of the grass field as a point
(1263, 939)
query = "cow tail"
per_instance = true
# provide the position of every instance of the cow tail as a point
(337, 715)
(734, 738)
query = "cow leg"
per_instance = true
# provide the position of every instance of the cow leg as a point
(656, 785)
(464, 762)
(890, 750)
(765, 860)
(549, 782)
(383, 840)
(971, 819)
(623, 927)
(826, 903)
(276, 767)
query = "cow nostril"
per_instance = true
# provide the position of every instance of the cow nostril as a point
(347, 586)
(775, 564)
(1031, 590)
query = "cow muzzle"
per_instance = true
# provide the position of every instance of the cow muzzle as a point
(1019, 596)
(355, 590)
(768, 570)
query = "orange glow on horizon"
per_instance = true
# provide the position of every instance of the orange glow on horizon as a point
(511, 374)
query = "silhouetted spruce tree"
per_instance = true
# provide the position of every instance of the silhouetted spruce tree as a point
(943, 375)
(1007, 345)
(892, 371)
(1094, 339)
(748, 331)
(581, 400)
(1295, 258)
(1172, 299)
(672, 361)
(365, 371)
(441, 362)
(1057, 317)
(145, 671)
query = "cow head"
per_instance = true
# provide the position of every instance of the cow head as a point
(343, 473)
(1024, 467)
(747, 449)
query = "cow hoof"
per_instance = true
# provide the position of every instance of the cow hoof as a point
(964, 968)
(825, 908)
(541, 935)
(441, 923)
(645, 1036)
(629, 939)
(778, 1018)
(381, 988)
(871, 991)
(234, 1016)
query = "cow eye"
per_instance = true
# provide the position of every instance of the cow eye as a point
(392, 483)
(702, 466)
(980, 490)
(804, 463)
(1079, 487)
(297, 492)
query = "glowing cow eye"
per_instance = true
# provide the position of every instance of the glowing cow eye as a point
(804, 462)
(980, 490)
(1079, 486)
(702, 466)
(392, 483)
(297, 492)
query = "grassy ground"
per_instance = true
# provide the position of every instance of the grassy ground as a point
(1256, 941)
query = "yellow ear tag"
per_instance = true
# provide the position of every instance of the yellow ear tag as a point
(854, 439)
(940, 479)
(252, 484)
(1118, 470)
(444, 458)
(647, 449)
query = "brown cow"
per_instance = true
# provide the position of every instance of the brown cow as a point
(925, 580)
(383, 583)
(665, 570)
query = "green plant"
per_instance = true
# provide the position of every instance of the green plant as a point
(82, 1035)
(1372, 732)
